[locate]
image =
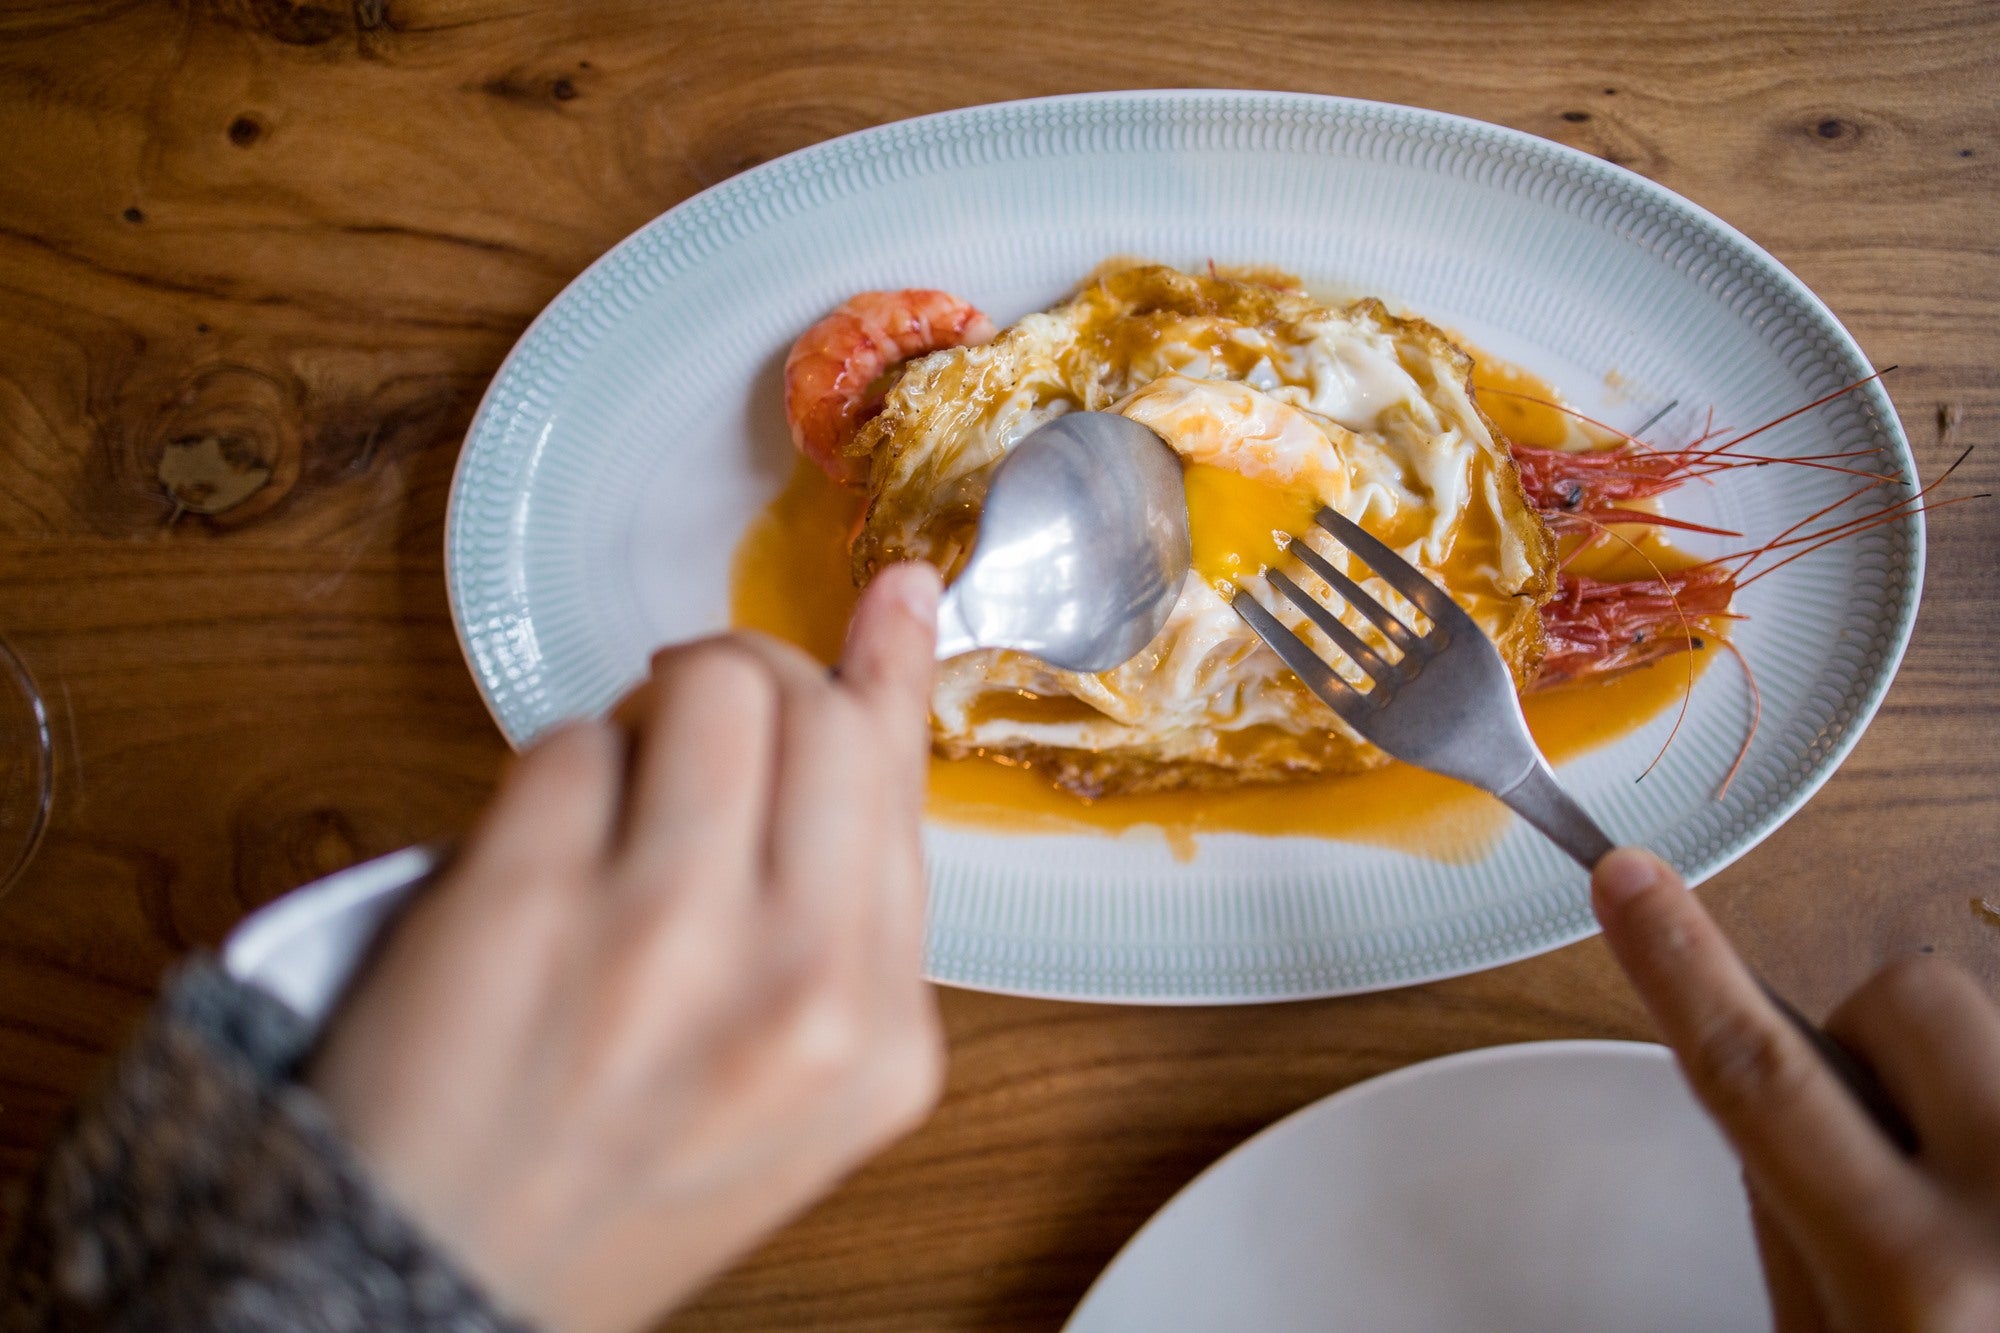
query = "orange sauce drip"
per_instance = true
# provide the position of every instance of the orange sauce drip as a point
(1510, 402)
(1399, 807)
(1520, 420)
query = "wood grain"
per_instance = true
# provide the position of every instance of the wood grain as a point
(259, 257)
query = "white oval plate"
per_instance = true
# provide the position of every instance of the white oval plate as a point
(1550, 1186)
(637, 428)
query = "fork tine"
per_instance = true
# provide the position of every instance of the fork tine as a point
(1391, 568)
(1344, 699)
(1343, 638)
(1386, 620)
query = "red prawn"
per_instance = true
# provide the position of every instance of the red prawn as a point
(832, 369)
(1599, 627)
(1596, 627)
(1581, 491)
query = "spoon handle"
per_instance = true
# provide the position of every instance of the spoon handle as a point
(304, 947)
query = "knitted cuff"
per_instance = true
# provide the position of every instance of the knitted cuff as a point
(201, 1187)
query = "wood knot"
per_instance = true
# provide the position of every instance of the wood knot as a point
(296, 22)
(527, 89)
(320, 841)
(223, 444)
(214, 440)
(245, 130)
(297, 821)
(1576, 117)
(290, 833)
(211, 474)
(1833, 127)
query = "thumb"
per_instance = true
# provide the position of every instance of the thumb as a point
(888, 661)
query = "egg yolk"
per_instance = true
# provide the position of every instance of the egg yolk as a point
(1236, 523)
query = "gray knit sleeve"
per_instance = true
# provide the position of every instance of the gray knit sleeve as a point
(202, 1188)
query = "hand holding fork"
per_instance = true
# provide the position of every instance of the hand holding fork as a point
(1447, 703)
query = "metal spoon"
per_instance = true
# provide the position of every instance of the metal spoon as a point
(1082, 547)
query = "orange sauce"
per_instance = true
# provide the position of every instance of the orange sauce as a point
(790, 579)
(1398, 806)
(790, 574)
(1520, 420)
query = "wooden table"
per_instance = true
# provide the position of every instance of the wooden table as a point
(259, 257)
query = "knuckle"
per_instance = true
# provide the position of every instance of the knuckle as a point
(524, 901)
(706, 976)
(782, 651)
(907, 1101)
(724, 671)
(1664, 921)
(823, 1036)
(1662, 935)
(917, 1081)
(908, 1079)
(1742, 1062)
(651, 956)
(572, 754)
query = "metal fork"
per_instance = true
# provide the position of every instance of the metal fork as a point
(1446, 702)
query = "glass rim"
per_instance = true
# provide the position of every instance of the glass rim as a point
(14, 672)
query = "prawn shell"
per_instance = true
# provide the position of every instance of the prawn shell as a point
(833, 368)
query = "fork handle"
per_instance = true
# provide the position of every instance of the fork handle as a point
(1538, 798)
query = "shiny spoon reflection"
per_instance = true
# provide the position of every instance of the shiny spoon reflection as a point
(1082, 547)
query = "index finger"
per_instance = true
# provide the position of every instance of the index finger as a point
(1799, 1131)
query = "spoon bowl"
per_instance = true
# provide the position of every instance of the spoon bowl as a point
(1082, 547)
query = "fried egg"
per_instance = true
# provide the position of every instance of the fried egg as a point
(1278, 405)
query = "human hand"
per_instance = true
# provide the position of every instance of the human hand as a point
(1853, 1234)
(671, 990)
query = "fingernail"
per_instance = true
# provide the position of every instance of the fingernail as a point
(1625, 874)
(919, 588)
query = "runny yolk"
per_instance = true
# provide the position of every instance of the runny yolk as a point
(1235, 522)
